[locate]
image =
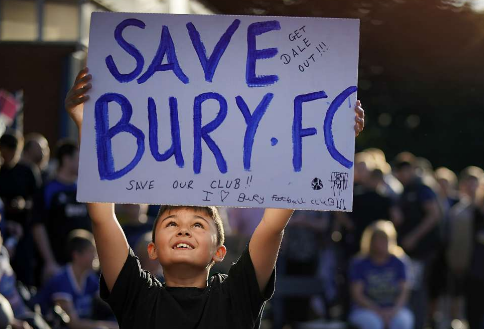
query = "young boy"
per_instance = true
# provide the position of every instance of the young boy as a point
(187, 241)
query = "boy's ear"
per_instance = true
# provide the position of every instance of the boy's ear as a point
(219, 254)
(152, 251)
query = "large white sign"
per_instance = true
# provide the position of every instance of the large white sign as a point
(244, 111)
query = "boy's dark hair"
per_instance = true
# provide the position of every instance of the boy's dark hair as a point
(78, 241)
(212, 212)
(65, 147)
(404, 160)
(12, 139)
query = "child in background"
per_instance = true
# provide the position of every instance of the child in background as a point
(76, 286)
(379, 282)
(187, 241)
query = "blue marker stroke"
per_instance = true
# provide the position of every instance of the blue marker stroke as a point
(252, 122)
(200, 132)
(104, 135)
(328, 126)
(297, 131)
(129, 48)
(167, 48)
(253, 54)
(210, 65)
(175, 148)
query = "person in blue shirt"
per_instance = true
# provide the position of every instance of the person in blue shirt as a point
(378, 281)
(57, 212)
(76, 286)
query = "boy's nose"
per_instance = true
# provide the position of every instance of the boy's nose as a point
(184, 232)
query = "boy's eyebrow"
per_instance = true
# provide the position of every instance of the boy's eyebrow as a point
(171, 216)
(174, 216)
(196, 216)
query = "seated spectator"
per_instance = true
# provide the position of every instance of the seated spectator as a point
(379, 283)
(76, 286)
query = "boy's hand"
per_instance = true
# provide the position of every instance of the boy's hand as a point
(359, 119)
(76, 97)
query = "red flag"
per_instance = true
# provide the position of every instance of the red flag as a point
(8, 107)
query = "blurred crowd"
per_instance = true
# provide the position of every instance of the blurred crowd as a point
(410, 255)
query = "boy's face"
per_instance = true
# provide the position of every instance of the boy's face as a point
(185, 236)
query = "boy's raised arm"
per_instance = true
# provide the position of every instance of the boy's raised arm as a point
(111, 243)
(265, 242)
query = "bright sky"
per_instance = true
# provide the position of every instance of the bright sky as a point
(478, 5)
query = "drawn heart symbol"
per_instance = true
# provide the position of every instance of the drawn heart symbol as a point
(224, 195)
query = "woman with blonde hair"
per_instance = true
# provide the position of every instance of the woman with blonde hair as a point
(379, 282)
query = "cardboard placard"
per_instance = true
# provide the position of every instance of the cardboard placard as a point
(244, 111)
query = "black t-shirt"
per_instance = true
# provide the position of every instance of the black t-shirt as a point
(20, 181)
(412, 203)
(57, 208)
(231, 301)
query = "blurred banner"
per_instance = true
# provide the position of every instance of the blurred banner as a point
(9, 106)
